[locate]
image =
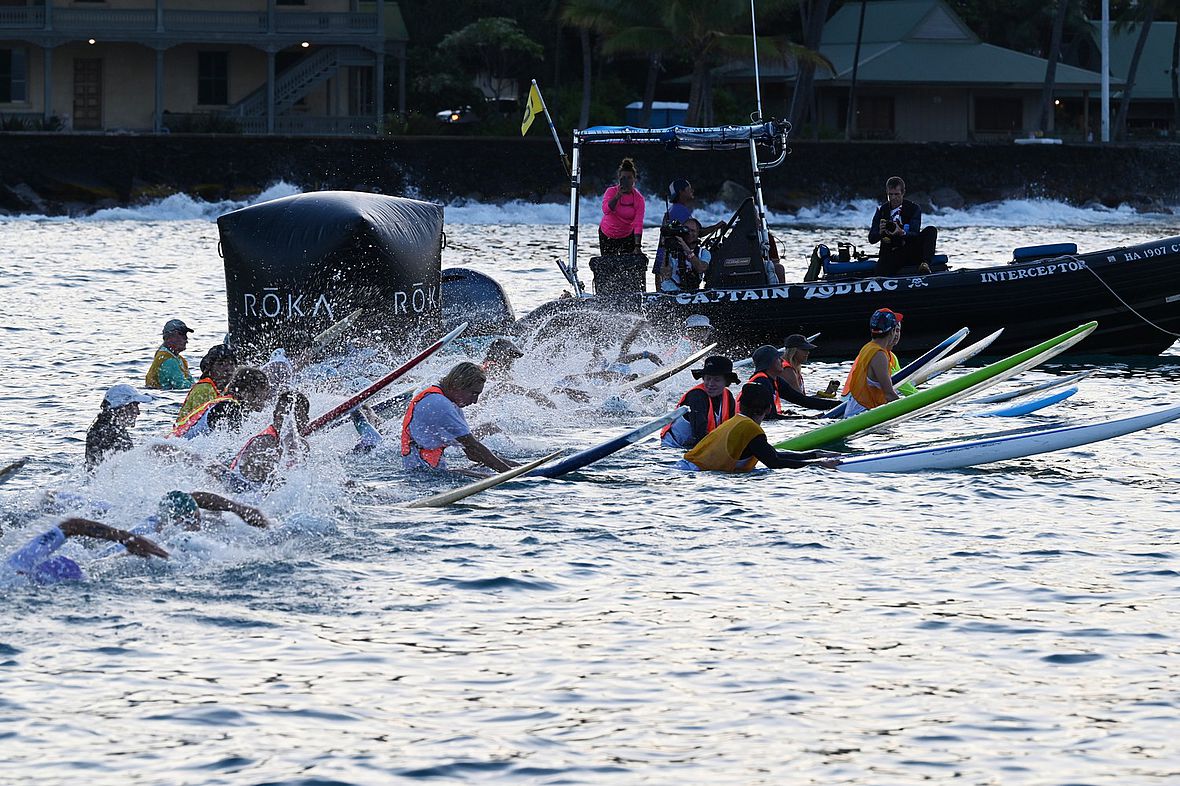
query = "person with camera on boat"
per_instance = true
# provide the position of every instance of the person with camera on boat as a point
(684, 261)
(897, 226)
(710, 404)
(738, 444)
(621, 228)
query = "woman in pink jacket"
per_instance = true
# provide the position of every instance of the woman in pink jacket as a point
(621, 228)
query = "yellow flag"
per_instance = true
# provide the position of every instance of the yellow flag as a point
(532, 108)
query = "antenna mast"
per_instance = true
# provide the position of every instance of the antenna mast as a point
(757, 81)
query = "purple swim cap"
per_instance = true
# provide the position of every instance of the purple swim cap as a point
(57, 569)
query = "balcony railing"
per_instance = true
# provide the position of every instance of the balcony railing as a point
(21, 18)
(293, 125)
(111, 20)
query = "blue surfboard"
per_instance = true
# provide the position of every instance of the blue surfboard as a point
(1026, 407)
(599, 452)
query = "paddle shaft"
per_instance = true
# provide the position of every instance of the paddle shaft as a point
(382, 383)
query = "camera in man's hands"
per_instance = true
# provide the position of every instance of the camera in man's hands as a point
(671, 232)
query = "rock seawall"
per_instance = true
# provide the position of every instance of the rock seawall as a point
(63, 173)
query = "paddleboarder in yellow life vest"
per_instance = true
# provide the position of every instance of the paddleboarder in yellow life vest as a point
(434, 421)
(169, 369)
(247, 392)
(738, 444)
(217, 368)
(869, 384)
(710, 404)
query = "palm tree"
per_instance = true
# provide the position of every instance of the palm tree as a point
(1051, 68)
(815, 16)
(1144, 14)
(704, 31)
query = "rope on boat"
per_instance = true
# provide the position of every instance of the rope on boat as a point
(1127, 305)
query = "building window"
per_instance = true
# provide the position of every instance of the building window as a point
(361, 101)
(213, 78)
(999, 114)
(13, 76)
(874, 116)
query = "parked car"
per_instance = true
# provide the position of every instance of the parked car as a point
(462, 116)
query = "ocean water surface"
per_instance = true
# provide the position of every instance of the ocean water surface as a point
(1016, 623)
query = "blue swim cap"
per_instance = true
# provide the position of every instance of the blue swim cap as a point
(57, 569)
(177, 506)
(883, 321)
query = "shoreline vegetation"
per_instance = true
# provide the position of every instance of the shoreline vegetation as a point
(66, 175)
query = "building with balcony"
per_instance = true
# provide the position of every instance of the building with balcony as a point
(251, 66)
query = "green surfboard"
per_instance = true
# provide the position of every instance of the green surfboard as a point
(939, 395)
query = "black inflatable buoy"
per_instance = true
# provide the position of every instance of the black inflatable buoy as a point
(477, 299)
(296, 265)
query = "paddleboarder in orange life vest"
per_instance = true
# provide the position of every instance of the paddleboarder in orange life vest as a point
(738, 444)
(710, 404)
(869, 384)
(434, 421)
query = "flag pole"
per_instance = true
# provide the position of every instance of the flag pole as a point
(552, 128)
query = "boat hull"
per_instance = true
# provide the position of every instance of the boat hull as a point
(1029, 300)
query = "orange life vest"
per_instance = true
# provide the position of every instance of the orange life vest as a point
(194, 417)
(432, 456)
(857, 384)
(894, 366)
(269, 431)
(727, 407)
(778, 402)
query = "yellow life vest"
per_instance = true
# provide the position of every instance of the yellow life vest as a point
(857, 383)
(721, 449)
(188, 422)
(152, 380)
(198, 394)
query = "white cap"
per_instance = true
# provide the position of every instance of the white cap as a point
(123, 394)
(698, 321)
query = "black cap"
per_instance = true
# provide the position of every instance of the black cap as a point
(717, 365)
(797, 341)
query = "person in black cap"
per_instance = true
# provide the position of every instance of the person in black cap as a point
(169, 369)
(796, 350)
(217, 369)
(710, 404)
(768, 372)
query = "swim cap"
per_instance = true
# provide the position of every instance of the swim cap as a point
(177, 507)
(883, 321)
(57, 569)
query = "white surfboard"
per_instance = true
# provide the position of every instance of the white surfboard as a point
(323, 339)
(950, 361)
(447, 497)
(1053, 383)
(1004, 447)
(656, 377)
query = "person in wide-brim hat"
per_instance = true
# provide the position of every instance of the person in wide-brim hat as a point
(710, 404)
(717, 365)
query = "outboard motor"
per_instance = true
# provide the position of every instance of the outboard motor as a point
(477, 299)
(295, 266)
